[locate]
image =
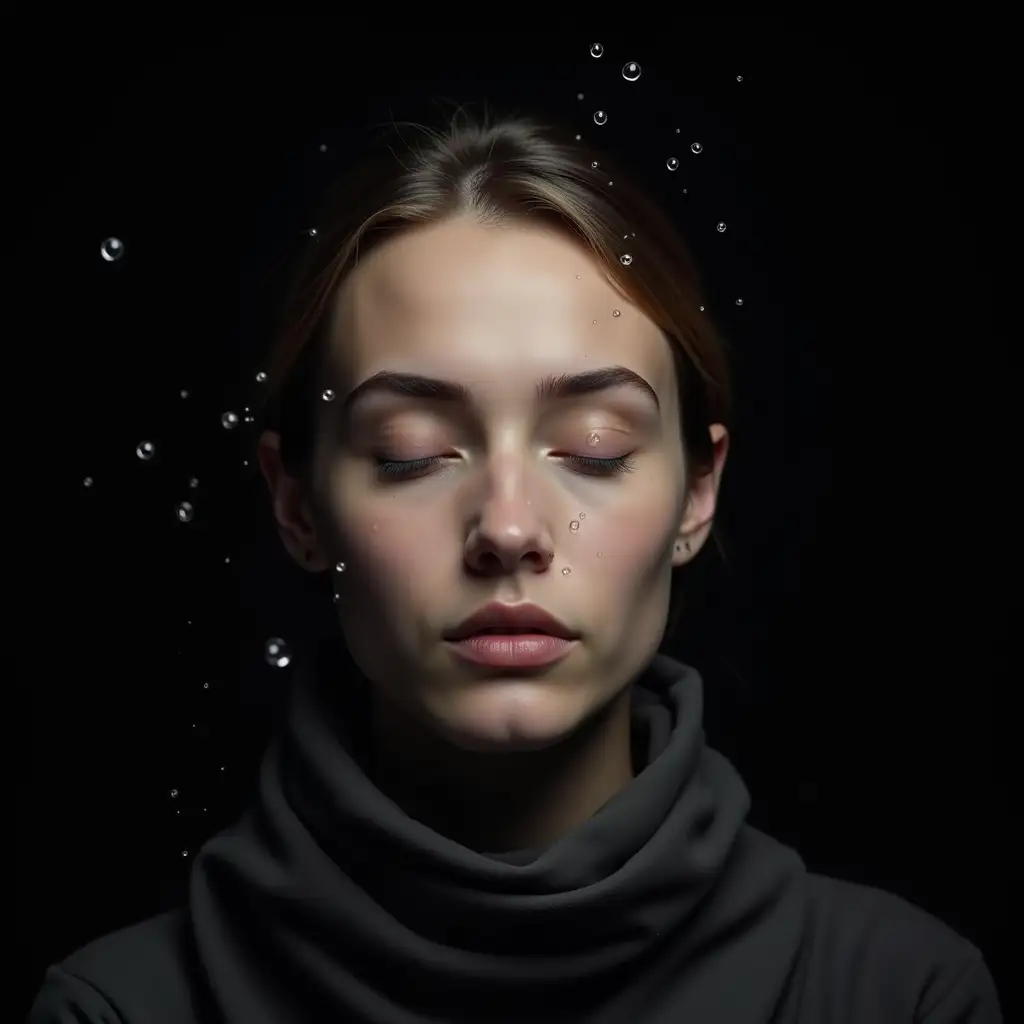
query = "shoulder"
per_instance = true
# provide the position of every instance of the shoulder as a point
(142, 973)
(877, 951)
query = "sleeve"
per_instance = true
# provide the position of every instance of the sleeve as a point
(970, 998)
(67, 999)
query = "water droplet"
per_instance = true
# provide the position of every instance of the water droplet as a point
(206, 686)
(696, 147)
(702, 309)
(340, 567)
(174, 794)
(672, 163)
(112, 249)
(599, 554)
(616, 312)
(567, 571)
(229, 420)
(328, 395)
(186, 513)
(146, 450)
(593, 321)
(574, 525)
(596, 50)
(721, 226)
(184, 853)
(87, 482)
(594, 164)
(593, 440)
(625, 259)
(277, 653)
(600, 117)
(739, 78)
(739, 302)
(631, 71)
(261, 377)
(313, 232)
(583, 515)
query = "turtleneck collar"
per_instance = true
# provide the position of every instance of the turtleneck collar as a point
(326, 901)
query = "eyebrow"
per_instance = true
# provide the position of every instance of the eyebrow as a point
(555, 387)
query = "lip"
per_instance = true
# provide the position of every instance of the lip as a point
(510, 619)
(513, 650)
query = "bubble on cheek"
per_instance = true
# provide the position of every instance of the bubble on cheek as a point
(583, 515)
(574, 526)
(593, 440)
(567, 571)
(599, 554)
(616, 312)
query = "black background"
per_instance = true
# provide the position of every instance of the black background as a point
(854, 656)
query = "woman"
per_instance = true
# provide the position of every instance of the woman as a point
(499, 418)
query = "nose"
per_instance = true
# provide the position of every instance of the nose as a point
(508, 535)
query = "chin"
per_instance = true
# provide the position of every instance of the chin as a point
(508, 717)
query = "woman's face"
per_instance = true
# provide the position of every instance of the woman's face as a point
(503, 510)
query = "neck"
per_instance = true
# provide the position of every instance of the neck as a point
(497, 802)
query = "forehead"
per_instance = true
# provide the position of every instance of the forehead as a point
(478, 302)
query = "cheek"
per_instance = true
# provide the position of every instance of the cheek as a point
(394, 551)
(626, 544)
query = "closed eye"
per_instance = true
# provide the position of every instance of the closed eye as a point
(397, 469)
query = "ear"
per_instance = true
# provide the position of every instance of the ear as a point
(699, 514)
(291, 507)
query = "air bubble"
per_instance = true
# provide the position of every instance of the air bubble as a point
(567, 571)
(696, 147)
(574, 525)
(616, 312)
(672, 163)
(229, 420)
(593, 440)
(186, 513)
(721, 226)
(112, 249)
(328, 395)
(87, 482)
(625, 259)
(340, 567)
(261, 377)
(146, 450)
(600, 117)
(631, 71)
(277, 653)
(739, 302)
(596, 50)
(583, 515)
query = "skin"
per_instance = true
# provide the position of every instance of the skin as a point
(496, 761)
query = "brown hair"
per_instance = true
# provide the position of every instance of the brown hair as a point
(496, 169)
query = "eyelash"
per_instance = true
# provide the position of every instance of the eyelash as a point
(589, 466)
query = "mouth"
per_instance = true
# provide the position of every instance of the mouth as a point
(511, 631)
